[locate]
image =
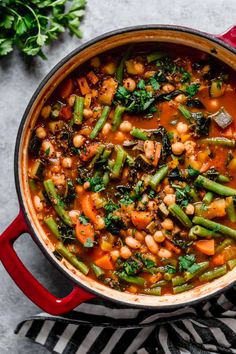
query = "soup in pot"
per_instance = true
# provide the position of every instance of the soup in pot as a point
(131, 168)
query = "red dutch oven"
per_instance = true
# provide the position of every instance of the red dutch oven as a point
(224, 48)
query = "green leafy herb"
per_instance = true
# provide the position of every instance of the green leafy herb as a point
(137, 101)
(83, 219)
(192, 172)
(148, 263)
(114, 224)
(192, 89)
(182, 195)
(96, 184)
(111, 206)
(154, 83)
(89, 243)
(126, 200)
(185, 262)
(31, 24)
(170, 269)
(131, 266)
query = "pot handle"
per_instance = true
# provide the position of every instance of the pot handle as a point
(229, 36)
(34, 290)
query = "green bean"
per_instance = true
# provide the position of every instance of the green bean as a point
(106, 178)
(97, 156)
(203, 232)
(100, 122)
(138, 134)
(185, 112)
(153, 291)
(56, 202)
(32, 185)
(176, 211)
(158, 177)
(230, 209)
(130, 160)
(220, 141)
(64, 252)
(227, 242)
(231, 263)
(203, 182)
(215, 226)
(78, 110)
(202, 267)
(120, 69)
(182, 288)
(208, 197)
(99, 272)
(168, 276)
(159, 283)
(191, 235)
(53, 227)
(106, 154)
(116, 119)
(132, 279)
(193, 194)
(155, 56)
(223, 179)
(119, 162)
(213, 273)
(178, 280)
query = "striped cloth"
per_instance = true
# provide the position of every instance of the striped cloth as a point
(100, 327)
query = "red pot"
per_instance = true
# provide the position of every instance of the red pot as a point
(222, 46)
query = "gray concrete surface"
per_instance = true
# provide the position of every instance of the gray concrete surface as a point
(17, 84)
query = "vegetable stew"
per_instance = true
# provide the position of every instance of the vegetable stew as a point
(132, 169)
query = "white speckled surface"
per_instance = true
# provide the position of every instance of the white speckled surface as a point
(17, 84)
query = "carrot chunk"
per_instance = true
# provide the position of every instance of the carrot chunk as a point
(89, 152)
(66, 113)
(205, 246)
(92, 77)
(219, 260)
(141, 219)
(83, 85)
(104, 262)
(66, 89)
(171, 247)
(84, 232)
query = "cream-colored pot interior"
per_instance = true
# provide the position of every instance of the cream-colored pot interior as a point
(166, 35)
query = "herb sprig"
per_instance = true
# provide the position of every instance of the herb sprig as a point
(31, 24)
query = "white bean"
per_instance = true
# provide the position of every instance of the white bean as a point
(38, 203)
(151, 244)
(48, 148)
(189, 209)
(87, 113)
(182, 128)
(106, 129)
(126, 126)
(139, 236)
(164, 253)
(125, 252)
(74, 215)
(78, 140)
(130, 84)
(41, 133)
(115, 255)
(132, 242)
(169, 199)
(167, 224)
(66, 162)
(159, 236)
(178, 148)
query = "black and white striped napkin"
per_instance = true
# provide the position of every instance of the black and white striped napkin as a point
(100, 327)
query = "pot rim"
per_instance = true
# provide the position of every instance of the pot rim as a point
(69, 275)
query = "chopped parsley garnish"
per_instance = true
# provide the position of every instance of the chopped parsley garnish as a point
(154, 83)
(186, 262)
(114, 224)
(170, 269)
(192, 89)
(47, 151)
(83, 219)
(192, 172)
(96, 184)
(111, 206)
(148, 263)
(88, 243)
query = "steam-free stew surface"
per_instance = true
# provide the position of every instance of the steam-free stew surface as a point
(132, 169)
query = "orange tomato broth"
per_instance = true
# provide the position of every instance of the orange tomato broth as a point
(167, 112)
